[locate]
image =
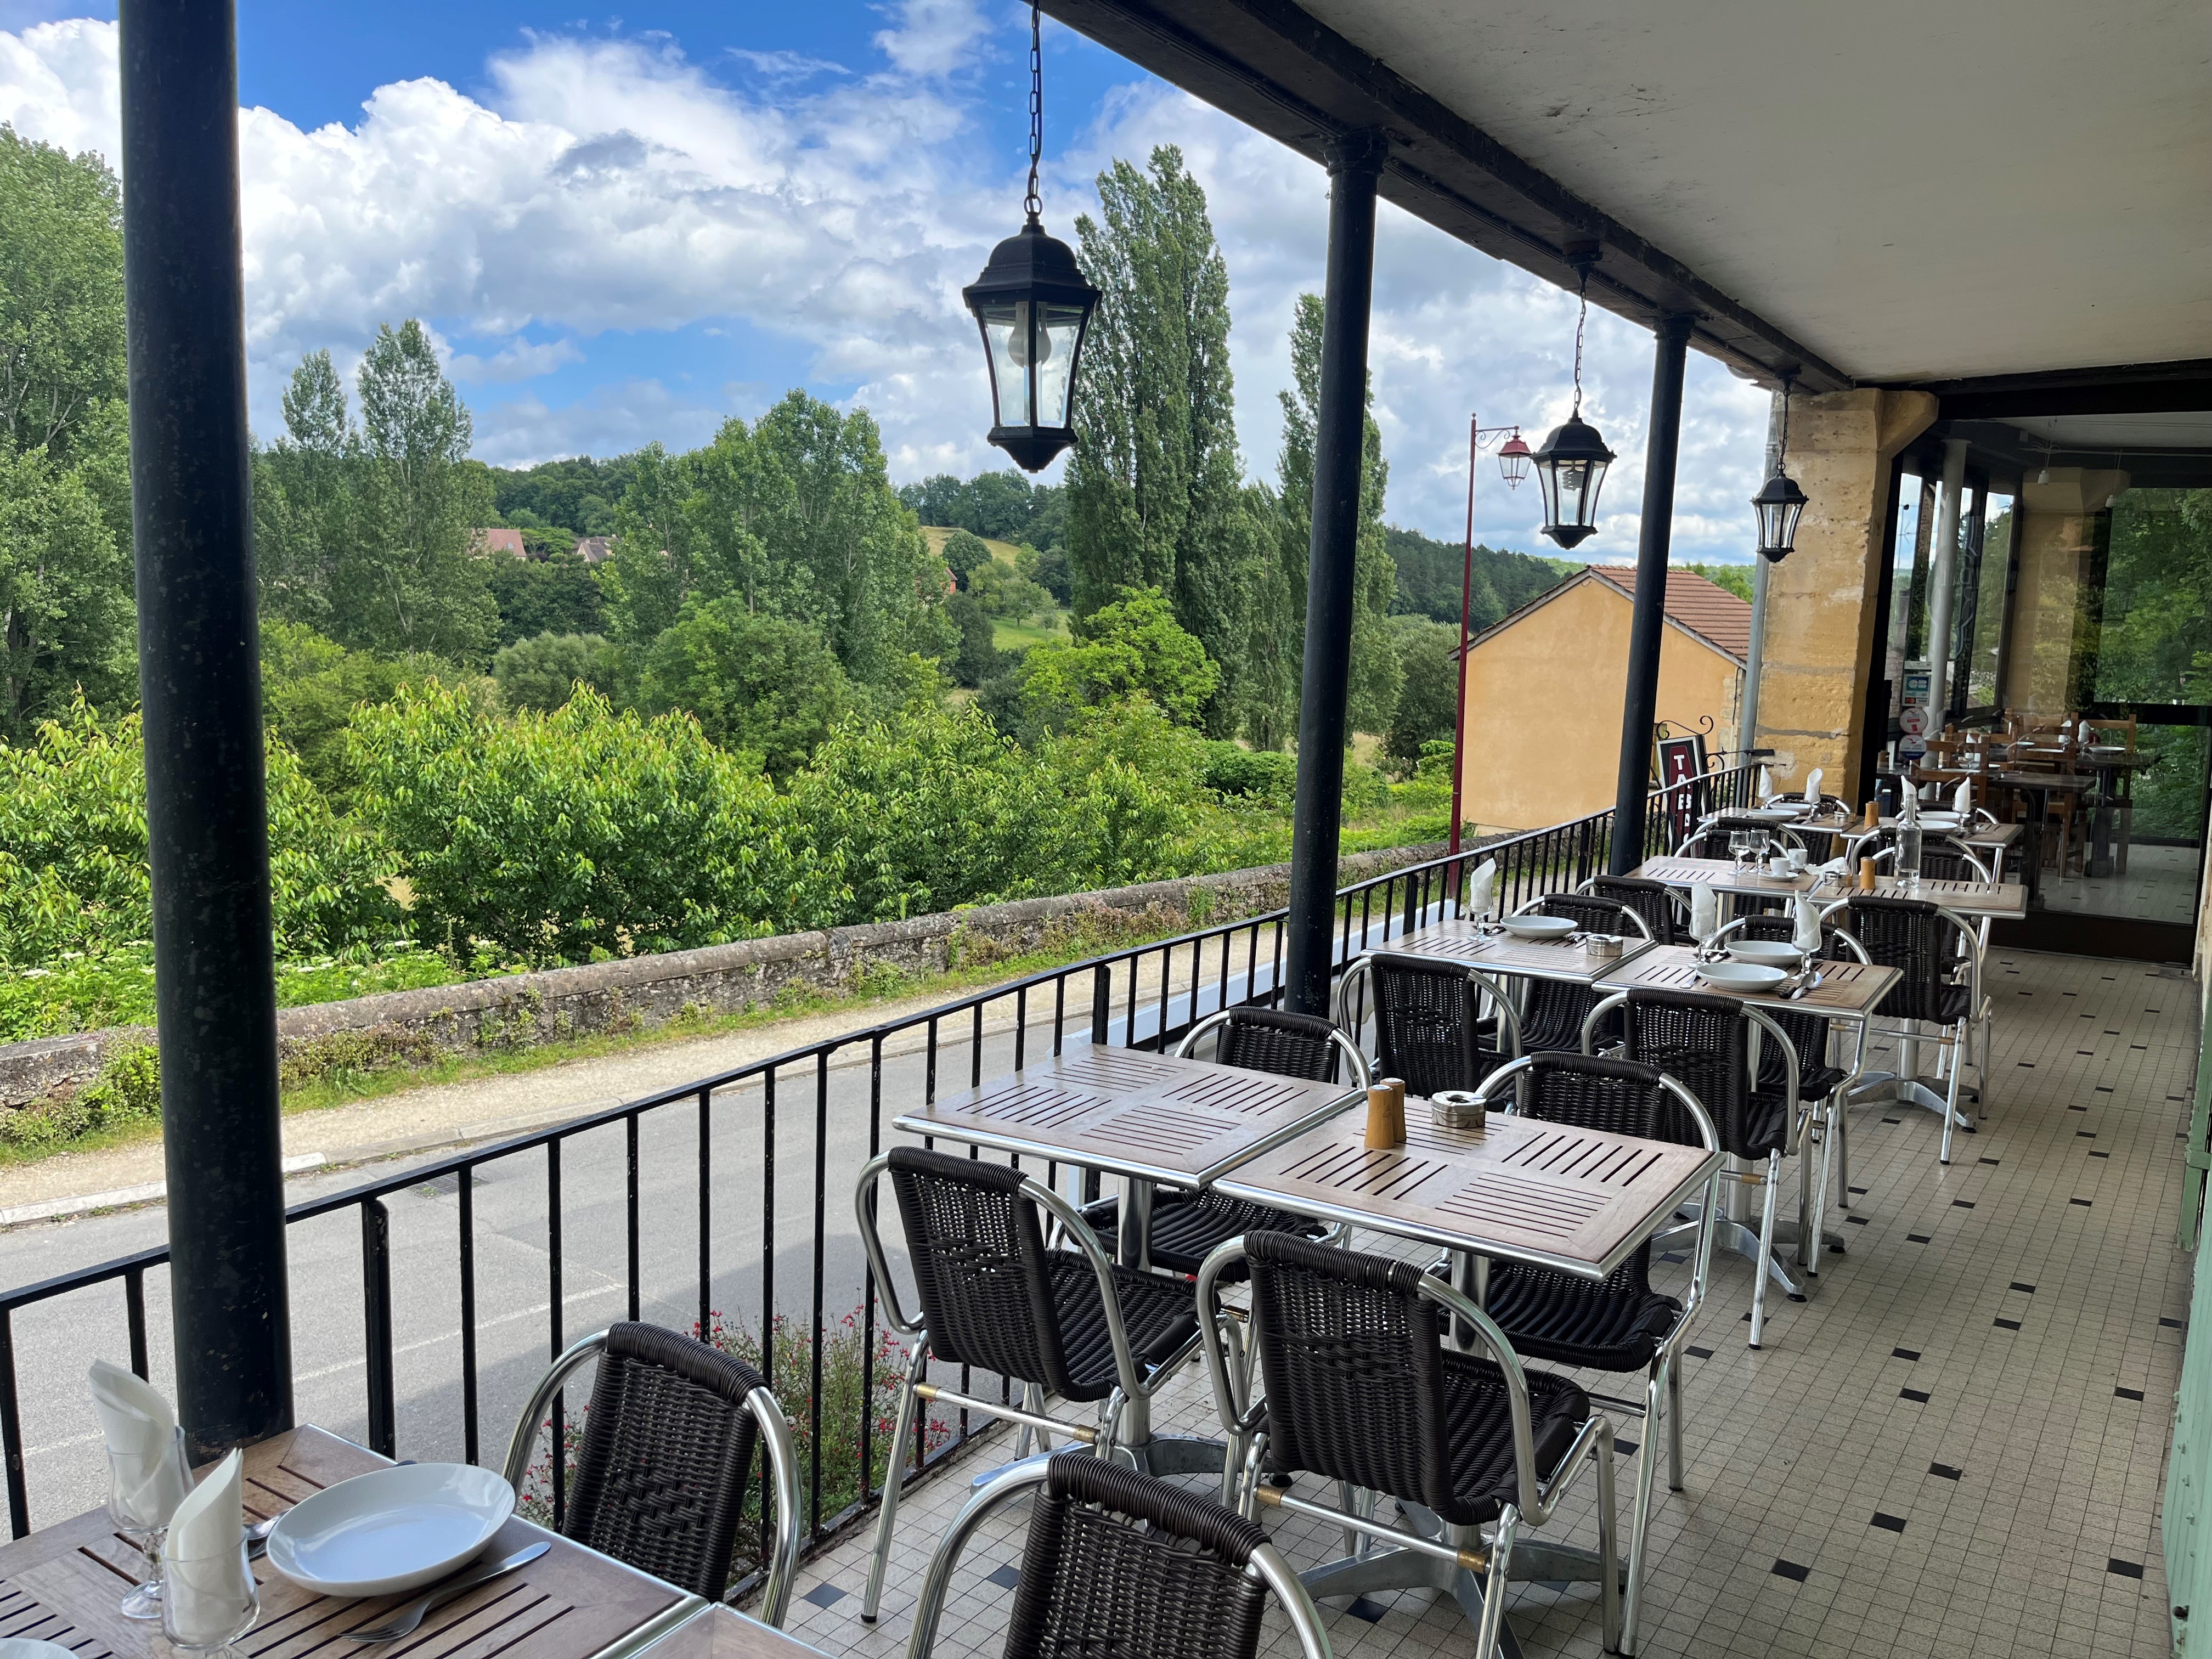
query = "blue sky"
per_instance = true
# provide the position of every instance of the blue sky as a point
(624, 227)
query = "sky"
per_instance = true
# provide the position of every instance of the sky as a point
(629, 227)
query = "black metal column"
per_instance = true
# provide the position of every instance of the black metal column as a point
(199, 681)
(1647, 626)
(1355, 162)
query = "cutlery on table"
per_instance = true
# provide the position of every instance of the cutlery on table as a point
(257, 1538)
(403, 1622)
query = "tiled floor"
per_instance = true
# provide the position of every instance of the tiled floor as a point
(1955, 1448)
(2160, 885)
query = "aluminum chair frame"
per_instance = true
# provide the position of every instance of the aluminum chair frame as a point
(1123, 1415)
(1362, 970)
(1451, 1561)
(1953, 1041)
(1678, 902)
(1268, 1564)
(1535, 907)
(776, 1446)
(1780, 837)
(1733, 1235)
(1663, 1376)
(1355, 1061)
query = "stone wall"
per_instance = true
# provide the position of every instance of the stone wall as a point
(522, 1009)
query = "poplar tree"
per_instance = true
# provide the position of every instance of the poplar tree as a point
(1155, 497)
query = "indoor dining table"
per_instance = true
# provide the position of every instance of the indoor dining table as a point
(2000, 901)
(62, 1584)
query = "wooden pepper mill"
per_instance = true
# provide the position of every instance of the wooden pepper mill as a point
(1386, 1114)
(1866, 875)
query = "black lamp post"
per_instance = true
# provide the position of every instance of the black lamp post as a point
(1780, 504)
(1570, 466)
(1032, 305)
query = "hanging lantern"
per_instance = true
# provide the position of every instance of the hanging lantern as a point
(1513, 460)
(1033, 306)
(1780, 504)
(1570, 466)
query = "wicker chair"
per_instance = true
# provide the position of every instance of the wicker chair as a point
(1704, 1042)
(1118, 1563)
(1552, 1016)
(1362, 1390)
(1429, 1028)
(1653, 901)
(1722, 825)
(1940, 954)
(1185, 1227)
(1622, 1324)
(660, 1480)
(1068, 1323)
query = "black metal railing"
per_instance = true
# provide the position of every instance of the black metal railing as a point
(1114, 1001)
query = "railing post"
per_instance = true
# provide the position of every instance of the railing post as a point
(376, 1318)
(11, 1431)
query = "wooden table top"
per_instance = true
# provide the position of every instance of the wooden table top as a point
(1153, 1117)
(1569, 1200)
(62, 1584)
(1847, 989)
(2070, 781)
(2004, 900)
(1988, 835)
(721, 1632)
(1457, 940)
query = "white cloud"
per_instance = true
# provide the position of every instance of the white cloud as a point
(613, 185)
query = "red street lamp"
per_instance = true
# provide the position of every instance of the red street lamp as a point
(1513, 463)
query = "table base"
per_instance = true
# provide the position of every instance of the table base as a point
(1878, 1086)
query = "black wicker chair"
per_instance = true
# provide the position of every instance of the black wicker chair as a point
(660, 1478)
(1719, 827)
(1552, 1016)
(1940, 954)
(1120, 1563)
(1361, 1389)
(1185, 1227)
(1068, 1323)
(1623, 1324)
(1704, 1042)
(1431, 1031)
(1653, 900)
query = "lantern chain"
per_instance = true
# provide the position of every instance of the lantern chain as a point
(1032, 203)
(1582, 297)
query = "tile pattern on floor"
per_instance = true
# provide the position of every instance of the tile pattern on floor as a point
(1956, 1447)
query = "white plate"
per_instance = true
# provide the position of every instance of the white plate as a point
(23, 1647)
(1769, 953)
(1776, 814)
(1538, 927)
(1940, 820)
(389, 1530)
(1740, 975)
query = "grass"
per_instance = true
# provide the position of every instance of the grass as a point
(1019, 637)
(1006, 552)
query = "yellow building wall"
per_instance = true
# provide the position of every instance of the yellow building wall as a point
(1544, 702)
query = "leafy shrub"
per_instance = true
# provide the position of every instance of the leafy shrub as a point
(311, 686)
(73, 850)
(761, 684)
(1230, 769)
(550, 835)
(1132, 647)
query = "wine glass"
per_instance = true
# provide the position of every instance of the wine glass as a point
(143, 1493)
(212, 1600)
(1742, 843)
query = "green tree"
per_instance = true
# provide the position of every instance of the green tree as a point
(1376, 672)
(976, 658)
(310, 688)
(964, 554)
(1732, 578)
(410, 579)
(305, 508)
(1430, 571)
(555, 594)
(1050, 570)
(65, 610)
(1133, 647)
(557, 837)
(1428, 698)
(1003, 592)
(768, 687)
(543, 671)
(61, 294)
(1153, 498)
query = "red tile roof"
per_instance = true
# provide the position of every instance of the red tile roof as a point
(1706, 608)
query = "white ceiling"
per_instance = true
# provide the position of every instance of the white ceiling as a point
(1914, 189)
(2118, 433)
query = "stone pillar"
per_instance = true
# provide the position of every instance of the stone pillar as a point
(2062, 533)
(1824, 635)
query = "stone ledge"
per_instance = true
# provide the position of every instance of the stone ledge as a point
(520, 1010)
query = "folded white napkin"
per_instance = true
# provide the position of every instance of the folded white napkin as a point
(1813, 786)
(208, 1587)
(1480, 888)
(140, 1429)
(1962, 799)
(1806, 932)
(1705, 911)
